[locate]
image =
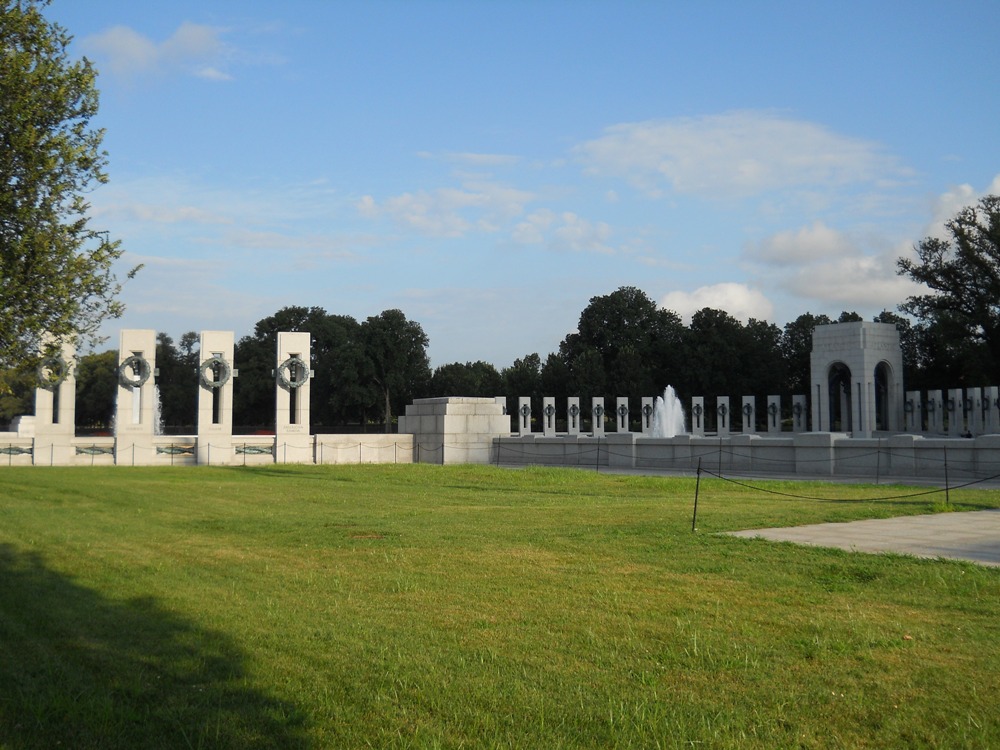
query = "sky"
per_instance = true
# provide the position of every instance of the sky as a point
(489, 167)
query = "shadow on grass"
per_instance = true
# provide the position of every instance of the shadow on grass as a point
(80, 670)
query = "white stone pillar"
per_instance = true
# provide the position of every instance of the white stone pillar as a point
(215, 398)
(524, 415)
(597, 415)
(974, 415)
(912, 412)
(722, 415)
(647, 415)
(935, 412)
(800, 410)
(549, 415)
(774, 414)
(55, 407)
(991, 410)
(293, 443)
(137, 408)
(621, 414)
(698, 415)
(953, 407)
(573, 415)
(749, 412)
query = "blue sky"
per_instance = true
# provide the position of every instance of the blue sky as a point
(488, 167)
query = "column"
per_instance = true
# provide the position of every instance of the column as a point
(293, 443)
(215, 398)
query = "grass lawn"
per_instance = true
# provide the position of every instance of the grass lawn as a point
(427, 606)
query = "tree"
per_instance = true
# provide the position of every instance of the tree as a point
(469, 379)
(638, 343)
(796, 351)
(96, 390)
(963, 276)
(178, 380)
(56, 275)
(396, 349)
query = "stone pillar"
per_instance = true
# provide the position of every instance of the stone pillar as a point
(974, 413)
(749, 410)
(800, 410)
(549, 416)
(647, 415)
(621, 414)
(935, 412)
(698, 415)
(293, 443)
(524, 415)
(597, 415)
(953, 408)
(991, 410)
(55, 407)
(137, 410)
(912, 412)
(774, 414)
(215, 398)
(723, 425)
(573, 415)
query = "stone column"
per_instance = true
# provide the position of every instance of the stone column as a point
(215, 398)
(55, 407)
(293, 443)
(573, 415)
(974, 413)
(749, 411)
(137, 411)
(621, 414)
(647, 415)
(800, 410)
(774, 414)
(723, 425)
(698, 415)
(953, 407)
(597, 415)
(991, 410)
(549, 416)
(524, 415)
(935, 412)
(912, 412)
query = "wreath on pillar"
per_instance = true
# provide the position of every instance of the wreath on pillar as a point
(208, 369)
(287, 378)
(52, 371)
(133, 372)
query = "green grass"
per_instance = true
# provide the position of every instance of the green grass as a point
(420, 606)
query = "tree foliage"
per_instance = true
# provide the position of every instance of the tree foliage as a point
(56, 274)
(960, 315)
(396, 350)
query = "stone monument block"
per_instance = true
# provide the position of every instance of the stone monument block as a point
(597, 416)
(549, 416)
(524, 415)
(722, 416)
(137, 407)
(773, 414)
(573, 415)
(749, 412)
(215, 398)
(697, 415)
(647, 415)
(800, 411)
(293, 443)
(621, 414)
(991, 410)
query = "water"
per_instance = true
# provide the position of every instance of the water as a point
(668, 415)
(136, 415)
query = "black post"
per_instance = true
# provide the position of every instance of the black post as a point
(697, 488)
(947, 494)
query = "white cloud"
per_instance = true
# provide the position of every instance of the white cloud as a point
(450, 212)
(739, 300)
(193, 48)
(814, 242)
(563, 232)
(735, 154)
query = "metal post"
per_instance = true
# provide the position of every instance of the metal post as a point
(697, 488)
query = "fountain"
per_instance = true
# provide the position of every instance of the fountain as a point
(668, 415)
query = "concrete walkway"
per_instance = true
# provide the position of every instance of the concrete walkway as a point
(972, 536)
